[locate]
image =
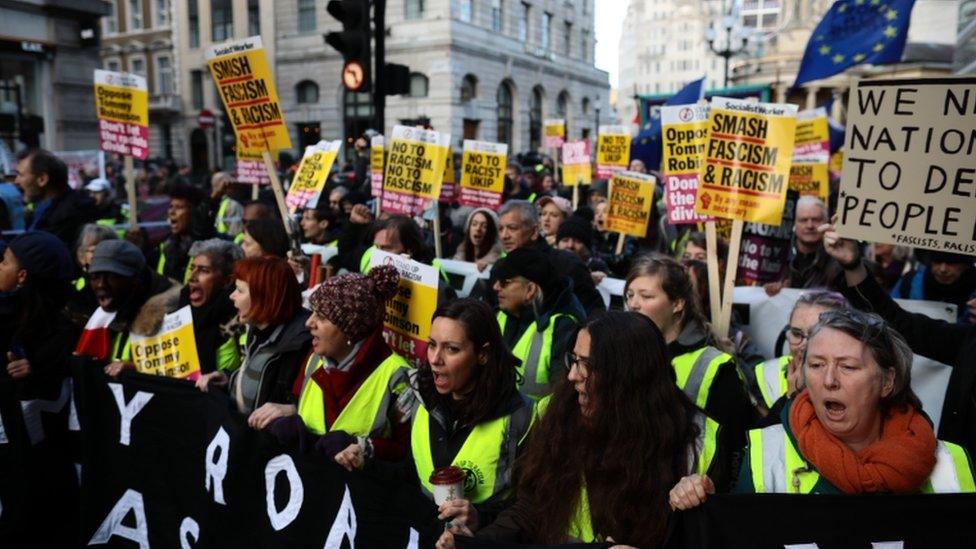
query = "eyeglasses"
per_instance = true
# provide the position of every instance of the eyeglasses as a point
(582, 364)
(796, 335)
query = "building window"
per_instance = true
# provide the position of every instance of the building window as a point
(497, 15)
(307, 91)
(113, 65)
(418, 85)
(194, 23)
(196, 89)
(221, 20)
(584, 44)
(413, 9)
(469, 88)
(562, 104)
(467, 10)
(524, 23)
(134, 11)
(306, 15)
(137, 65)
(535, 118)
(253, 18)
(568, 39)
(585, 106)
(357, 117)
(111, 22)
(544, 29)
(161, 13)
(164, 74)
(504, 100)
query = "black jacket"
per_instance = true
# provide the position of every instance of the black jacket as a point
(569, 264)
(213, 323)
(952, 344)
(68, 212)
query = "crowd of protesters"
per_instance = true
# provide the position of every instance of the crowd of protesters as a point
(589, 424)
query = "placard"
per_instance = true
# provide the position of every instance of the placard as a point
(629, 203)
(249, 168)
(414, 169)
(909, 175)
(406, 325)
(377, 161)
(555, 130)
(684, 129)
(810, 178)
(483, 174)
(170, 353)
(612, 151)
(748, 154)
(240, 71)
(764, 253)
(449, 185)
(812, 141)
(576, 164)
(309, 181)
(122, 108)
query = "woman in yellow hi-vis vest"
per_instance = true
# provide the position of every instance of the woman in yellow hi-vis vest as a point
(857, 427)
(354, 401)
(471, 414)
(616, 436)
(660, 288)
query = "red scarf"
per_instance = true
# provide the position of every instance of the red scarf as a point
(94, 340)
(900, 462)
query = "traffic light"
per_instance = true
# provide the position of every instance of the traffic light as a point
(353, 42)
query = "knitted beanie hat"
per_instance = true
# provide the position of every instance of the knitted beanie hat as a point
(355, 303)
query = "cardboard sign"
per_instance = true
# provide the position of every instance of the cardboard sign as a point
(810, 178)
(836, 163)
(555, 133)
(764, 252)
(910, 165)
(631, 197)
(684, 129)
(122, 108)
(406, 326)
(449, 185)
(483, 174)
(377, 161)
(309, 180)
(249, 168)
(748, 153)
(170, 353)
(812, 141)
(244, 82)
(82, 165)
(576, 164)
(612, 151)
(414, 169)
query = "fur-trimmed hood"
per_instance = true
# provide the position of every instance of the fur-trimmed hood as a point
(150, 316)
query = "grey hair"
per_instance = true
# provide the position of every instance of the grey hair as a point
(887, 346)
(93, 233)
(341, 190)
(530, 215)
(810, 200)
(222, 253)
(821, 298)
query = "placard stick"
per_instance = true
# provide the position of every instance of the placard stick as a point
(276, 187)
(576, 193)
(730, 269)
(620, 243)
(254, 191)
(714, 299)
(437, 229)
(130, 189)
(557, 176)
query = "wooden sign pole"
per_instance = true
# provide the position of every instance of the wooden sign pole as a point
(130, 189)
(714, 297)
(725, 315)
(437, 230)
(276, 187)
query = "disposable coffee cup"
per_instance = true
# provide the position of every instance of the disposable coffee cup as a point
(447, 484)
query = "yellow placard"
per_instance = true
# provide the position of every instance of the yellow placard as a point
(449, 177)
(576, 164)
(240, 71)
(483, 173)
(555, 129)
(414, 168)
(408, 314)
(629, 204)
(376, 158)
(122, 108)
(745, 174)
(837, 161)
(309, 180)
(172, 352)
(812, 139)
(810, 178)
(612, 150)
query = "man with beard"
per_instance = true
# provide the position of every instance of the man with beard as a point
(942, 276)
(43, 178)
(187, 224)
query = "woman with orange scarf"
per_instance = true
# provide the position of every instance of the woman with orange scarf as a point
(856, 427)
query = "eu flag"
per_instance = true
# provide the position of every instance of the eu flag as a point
(646, 146)
(854, 32)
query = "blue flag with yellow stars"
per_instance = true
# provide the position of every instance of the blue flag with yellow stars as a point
(646, 146)
(854, 32)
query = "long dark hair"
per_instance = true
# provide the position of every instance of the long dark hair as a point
(632, 449)
(491, 235)
(494, 382)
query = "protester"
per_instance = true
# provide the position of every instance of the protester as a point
(576, 235)
(952, 344)
(269, 304)
(614, 439)
(856, 428)
(481, 245)
(320, 225)
(659, 288)
(537, 315)
(173, 258)
(228, 219)
(207, 292)
(131, 298)
(547, 186)
(354, 403)
(43, 178)
(82, 301)
(943, 276)
(107, 212)
(265, 237)
(552, 212)
(811, 266)
(336, 197)
(471, 414)
(11, 205)
(892, 261)
(519, 228)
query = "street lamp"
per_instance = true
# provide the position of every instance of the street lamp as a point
(597, 114)
(727, 27)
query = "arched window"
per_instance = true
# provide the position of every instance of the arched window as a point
(585, 106)
(562, 104)
(535, 118)
(307, 91)
(504, 100)
(418, 85)
(469, 88)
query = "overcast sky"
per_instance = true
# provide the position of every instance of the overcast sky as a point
(609, 20)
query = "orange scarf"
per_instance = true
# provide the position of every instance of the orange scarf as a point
(898, 463)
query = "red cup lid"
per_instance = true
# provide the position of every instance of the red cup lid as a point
(447, 475)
